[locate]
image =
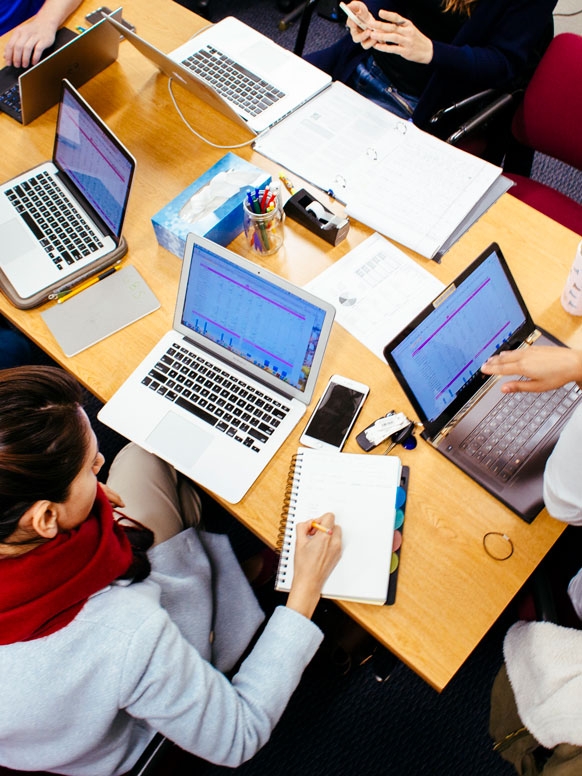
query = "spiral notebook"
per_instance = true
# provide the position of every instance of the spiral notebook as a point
(361, 492)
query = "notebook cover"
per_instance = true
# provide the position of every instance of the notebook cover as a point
(100, 310)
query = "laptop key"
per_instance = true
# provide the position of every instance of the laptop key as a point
(195, 410)
(32, 225)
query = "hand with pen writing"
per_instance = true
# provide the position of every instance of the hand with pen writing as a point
(318, 547)
(391, 33)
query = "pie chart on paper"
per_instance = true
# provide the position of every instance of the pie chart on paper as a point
(347, 299)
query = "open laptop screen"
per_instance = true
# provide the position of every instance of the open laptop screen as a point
(93, 160)
(442, 350)
(266, 325)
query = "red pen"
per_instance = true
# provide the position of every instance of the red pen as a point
(264, 200)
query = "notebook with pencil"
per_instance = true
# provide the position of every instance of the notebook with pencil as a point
(361, 492)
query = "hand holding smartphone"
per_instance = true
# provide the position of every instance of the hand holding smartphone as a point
(335, 414)
(351, 15)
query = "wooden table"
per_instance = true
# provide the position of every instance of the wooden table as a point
(450, 592)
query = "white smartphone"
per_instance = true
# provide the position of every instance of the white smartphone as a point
(351, 15)
(335, 414)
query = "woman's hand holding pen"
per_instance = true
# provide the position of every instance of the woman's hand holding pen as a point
(316, 554)
(545, 367)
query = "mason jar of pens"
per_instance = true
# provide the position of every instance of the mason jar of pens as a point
(263, 220)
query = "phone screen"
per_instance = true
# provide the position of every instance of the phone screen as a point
(335, 414)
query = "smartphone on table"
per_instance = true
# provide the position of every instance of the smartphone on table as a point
(351, 15)
(335, 414)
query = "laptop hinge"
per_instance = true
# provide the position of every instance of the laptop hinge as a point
(446, 430)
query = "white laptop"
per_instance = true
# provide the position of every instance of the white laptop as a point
(61, 221)
(220, 393)
(265, 82)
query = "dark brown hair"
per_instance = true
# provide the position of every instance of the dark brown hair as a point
(43, 439)
(43, 445)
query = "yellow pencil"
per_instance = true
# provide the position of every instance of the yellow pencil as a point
(319, 527)
(87, 284)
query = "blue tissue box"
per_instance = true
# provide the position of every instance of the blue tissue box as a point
(218, 190)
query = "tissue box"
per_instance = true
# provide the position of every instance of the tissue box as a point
(215, 210)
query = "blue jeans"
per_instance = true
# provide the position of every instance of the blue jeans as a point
(370, 81)
(15, 349)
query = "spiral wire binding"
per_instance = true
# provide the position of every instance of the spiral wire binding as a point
(287, 518)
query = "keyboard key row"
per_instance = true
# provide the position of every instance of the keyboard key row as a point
(216, 396)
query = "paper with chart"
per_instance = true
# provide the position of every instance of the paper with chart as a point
(376, 290)
(392, 176)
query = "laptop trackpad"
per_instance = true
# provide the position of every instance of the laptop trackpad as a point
(173, 440)
(16, 240)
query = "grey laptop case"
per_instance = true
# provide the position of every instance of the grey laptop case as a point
(61, 221)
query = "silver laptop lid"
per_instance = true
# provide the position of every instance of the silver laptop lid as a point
(178, 72)
(266, 326)
(79, 60)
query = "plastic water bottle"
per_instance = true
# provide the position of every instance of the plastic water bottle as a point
(572, 293)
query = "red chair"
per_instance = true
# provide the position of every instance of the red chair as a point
(549, 120)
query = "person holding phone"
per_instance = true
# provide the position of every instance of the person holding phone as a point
(36, 23)
(418, 56)
(106, 639)
(536, 709)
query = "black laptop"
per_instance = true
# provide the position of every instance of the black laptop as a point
(502, 441)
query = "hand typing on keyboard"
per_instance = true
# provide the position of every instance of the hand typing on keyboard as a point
(544, 367)
(31, 38)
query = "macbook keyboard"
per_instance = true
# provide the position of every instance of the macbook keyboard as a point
(216, 396)
(515, 426)
(58, 226)
(232, 81)
(10, 101)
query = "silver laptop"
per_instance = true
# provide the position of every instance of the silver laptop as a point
(27, 93)
(502, 441)
(238, 71)
(221, 392)
(61, 221)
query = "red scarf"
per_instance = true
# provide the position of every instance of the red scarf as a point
(42, 590)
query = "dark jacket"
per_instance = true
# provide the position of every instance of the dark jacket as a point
(497, 47)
